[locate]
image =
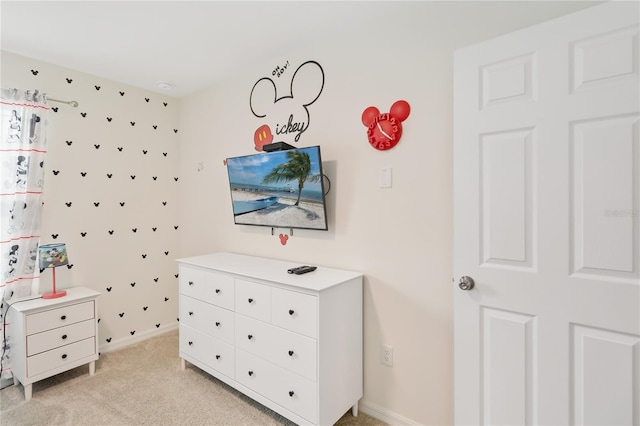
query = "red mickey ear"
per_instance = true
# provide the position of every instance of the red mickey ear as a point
(369, 114)
(400, 110)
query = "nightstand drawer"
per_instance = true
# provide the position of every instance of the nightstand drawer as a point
(56, 358)
(59, 317)
(41, 342)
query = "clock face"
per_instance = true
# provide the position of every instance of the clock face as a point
(384, 132)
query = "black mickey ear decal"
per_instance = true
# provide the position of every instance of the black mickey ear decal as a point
(69, 80)
(146, 99)
(97, 146)
(133, 123)
(108, 339)
(34, 72)
(83, 174)
(164, 103)
(54, 236)
(55, 109)
(83, 114)
(121, 93)
(109, 119)
(111, 231)
(155, 126)
(109, 289)
(121, 314)
(97, 87)
(68, 203)
(69, 143)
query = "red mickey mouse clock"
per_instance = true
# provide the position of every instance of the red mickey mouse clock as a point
(384, 130)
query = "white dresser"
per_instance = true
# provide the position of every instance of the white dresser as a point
(291, 342)
(50, 336)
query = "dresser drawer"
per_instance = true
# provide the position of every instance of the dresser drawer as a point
(253, 300)
(59, 317)
(212, 320)
(208, 350)
(58, 357)
(295, 311)
(207, 286)
(289, 350)
(289, 390)
(41, 342)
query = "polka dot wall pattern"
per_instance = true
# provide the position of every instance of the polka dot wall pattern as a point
(111, 194)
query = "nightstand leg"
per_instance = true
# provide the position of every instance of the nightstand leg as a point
(354, 410)
(92, 368)
(27, 392)
(183, 364)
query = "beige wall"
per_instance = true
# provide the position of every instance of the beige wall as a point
(109, 256)
(400, 238)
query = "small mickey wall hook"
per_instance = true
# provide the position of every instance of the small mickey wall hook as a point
(384, 130)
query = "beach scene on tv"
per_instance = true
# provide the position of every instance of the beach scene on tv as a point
(281, 189)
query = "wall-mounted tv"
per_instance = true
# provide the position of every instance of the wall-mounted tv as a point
(279, 189)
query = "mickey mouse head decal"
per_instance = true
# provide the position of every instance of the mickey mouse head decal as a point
(288, 115)
(384, 130)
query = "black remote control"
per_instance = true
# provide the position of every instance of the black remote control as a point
(299, 270)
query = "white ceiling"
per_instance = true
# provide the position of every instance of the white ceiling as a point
(197, 43)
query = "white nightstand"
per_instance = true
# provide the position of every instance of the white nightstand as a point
(48, 337)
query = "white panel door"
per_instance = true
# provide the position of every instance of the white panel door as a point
(547, 223)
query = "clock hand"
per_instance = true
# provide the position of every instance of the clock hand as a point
(383, 132)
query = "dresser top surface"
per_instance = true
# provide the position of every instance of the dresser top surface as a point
(271, 270)
(35, 303)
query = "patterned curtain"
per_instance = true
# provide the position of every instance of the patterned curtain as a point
(23, 118)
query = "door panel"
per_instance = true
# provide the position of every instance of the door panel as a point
(547, 223)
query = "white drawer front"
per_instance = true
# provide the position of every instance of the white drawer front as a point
(207, 286)
(289, 350)
(212, 320)
(192, 282)
(58, 357)
(294, 311)
(59, 317)
(289, 390)
(41, 342)
(253, 299)
(215, 353)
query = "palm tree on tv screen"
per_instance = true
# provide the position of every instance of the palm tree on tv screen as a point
(297, 168)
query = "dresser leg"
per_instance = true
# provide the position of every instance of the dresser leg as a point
(27, 392)
(354, 410)
(92, 368)
(183, 364)
(15, 380)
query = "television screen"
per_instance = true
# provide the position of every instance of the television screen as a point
(279, 189)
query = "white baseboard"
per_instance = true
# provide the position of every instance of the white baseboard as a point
(384, 415)
(136, 338)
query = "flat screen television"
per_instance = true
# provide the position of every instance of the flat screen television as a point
(279, 189)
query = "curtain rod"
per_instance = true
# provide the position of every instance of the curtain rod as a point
(72, 103)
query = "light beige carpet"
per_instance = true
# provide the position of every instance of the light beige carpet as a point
(140, 385)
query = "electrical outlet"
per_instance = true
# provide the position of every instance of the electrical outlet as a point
(386, 355)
